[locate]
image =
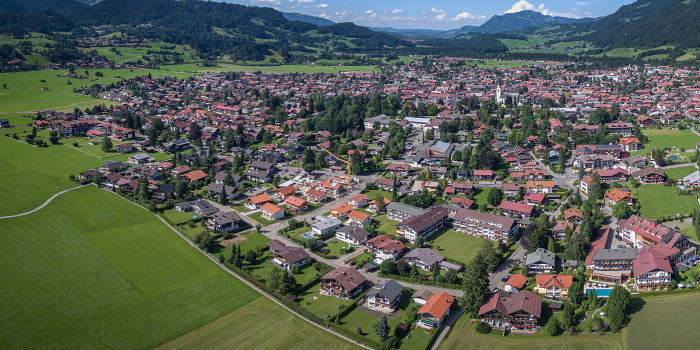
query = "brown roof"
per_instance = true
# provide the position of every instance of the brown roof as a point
(511, 303)
(347, 277)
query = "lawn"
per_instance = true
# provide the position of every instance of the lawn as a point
(457, 246)
(386, 225)
(373, 194)
(108, 274)
(274, 328)
(176, 217)
(464, 336)
(673, 315)
(30, 175)
(291, 68)
(669, 138)
(482, 195)
(660, 200)
(258, 217)
(335, 248)
(679, 173)
(321, 305)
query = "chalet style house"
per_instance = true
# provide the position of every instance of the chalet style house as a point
(520, 311)
(553, 286)
(652, 268)
(384, 247)
(384, 296)
(343, 282)
(435, 311)
(541, 261)
(288, 256)
(223, 222)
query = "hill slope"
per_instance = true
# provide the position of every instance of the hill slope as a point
(511, 22)
(28, 6)
(307, 19)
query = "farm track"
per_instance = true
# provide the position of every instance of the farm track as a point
(43, 204)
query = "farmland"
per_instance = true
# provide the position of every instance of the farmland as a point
(669, 138)
(292, 68)
(89, 286)
(672, 313)
(274, 328)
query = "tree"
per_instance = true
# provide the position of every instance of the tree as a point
(483, 328)
(195, 132)
(382, 328)
(569, 317)
(616, 307)
(553, 327)
(54, 137)
(250, 256)
(235, 258)
(592, 302)
(621, 210)
(388, 267)
(576, 293)
(180, 189)
(495, 197)
(106, 144)
(451, 276)
(475, 287)
(204, 240)
(488, 256)
(597, 324)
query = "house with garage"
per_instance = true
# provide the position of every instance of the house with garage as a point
(324, 225)
(423, 258)
(352, 235)
(385, 296)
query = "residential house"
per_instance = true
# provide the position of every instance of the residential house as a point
(483, 175)
(618, 195)
(520, 311)
(358, 218)
(296, 204)
(342, 210)
(690, 181)
(541, 261)
(271, 211)
(201, 207)
(288, 256)
(650, 175)
(515, 283)
(652, 269)
(493, 227)
(553, 286)
(384, 296)
(424, 225)
(540, 186)
(224, 222)
(283, 192)
(574, 215)
(214, 190)
(343, 282)
(400, 212)
(610, 175)
(424, 258)
(352, 234)
(559, 229)
(435, 311)
(256, 202)
(384, 247)
(517, 209)
(421, 296)
(316, 196)
(359, 201)
(399, 169)
(195, 176)
(325, 225)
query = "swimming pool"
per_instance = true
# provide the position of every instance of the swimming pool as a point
(306, 235)
(675, 157)
(603, 292)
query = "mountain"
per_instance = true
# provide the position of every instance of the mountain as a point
(321, 22)
(460, 31)
(29, 6)
(404, 31)
(643, 24)
(512, 22)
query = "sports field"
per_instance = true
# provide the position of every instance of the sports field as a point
(274, 328)
(93, 270)
(665, 322)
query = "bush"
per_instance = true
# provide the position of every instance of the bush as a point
(483, 328)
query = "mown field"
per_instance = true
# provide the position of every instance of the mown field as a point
(464, 336)
(24, 93)
(665, 322)
(92, 270)
(668, 138)
(259, 325)
(660, 200)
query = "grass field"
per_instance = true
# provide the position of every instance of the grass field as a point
(457, 246)
(291, 68)
(30, 175)
(274, 328)
(660, 200)
(92, 270)
(24, 89)
(482, 195)
(320, 305)
(464, 336)
(668, 138)
(679, 173)
(665, 322)
(386, 226)
(491, 64)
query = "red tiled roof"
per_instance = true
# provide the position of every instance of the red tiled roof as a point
(438, 305)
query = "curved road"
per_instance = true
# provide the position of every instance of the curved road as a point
(43, 204)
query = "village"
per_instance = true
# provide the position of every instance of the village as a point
(506, 194)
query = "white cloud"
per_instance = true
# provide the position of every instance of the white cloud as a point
(304, 1)
(396, 10)
(466, 15)
(369, 12)
(322, 6)
(441, 15)
(275, 2)
(523, 5)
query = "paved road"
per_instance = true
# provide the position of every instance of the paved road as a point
(673, 166)
(43, 204)
(495, 280)
(446, 328)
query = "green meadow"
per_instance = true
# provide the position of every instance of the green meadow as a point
(290, 68)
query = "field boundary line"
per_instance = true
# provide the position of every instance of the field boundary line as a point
(80, 150)
(43, 204)
(248, 283)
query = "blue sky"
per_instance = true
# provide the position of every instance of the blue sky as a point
(436, 14)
